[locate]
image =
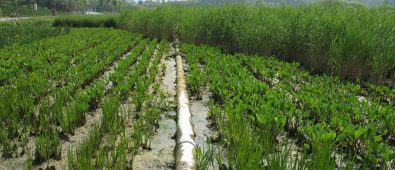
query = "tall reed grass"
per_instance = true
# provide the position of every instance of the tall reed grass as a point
(351, 41)
(105, 20)
(26, 31)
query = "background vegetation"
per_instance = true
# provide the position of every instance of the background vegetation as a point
(296, 2)
(26, 31)
(27, 7)
(107, 20)
(351, 41)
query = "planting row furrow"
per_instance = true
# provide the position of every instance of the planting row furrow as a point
(244, 145)
(207, 135)
(64, 113)
(48, 53)
(116, 79)
(82, 133)
(29, 116)
(41, 82)
(59, 44)
(32, 89)
(288, 107)
(92, 99)
(150, 107)
(158, 153)
(113, 125)
(338, 111)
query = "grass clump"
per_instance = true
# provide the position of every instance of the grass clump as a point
(48, 146)
(82, 157)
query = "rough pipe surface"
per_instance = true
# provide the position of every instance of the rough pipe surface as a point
(186, 142)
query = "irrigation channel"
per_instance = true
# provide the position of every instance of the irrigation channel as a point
(182, 128)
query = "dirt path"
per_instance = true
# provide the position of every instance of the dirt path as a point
(161, 155)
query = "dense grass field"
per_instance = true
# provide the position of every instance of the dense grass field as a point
(23, 11)
(293, 88)
(26, 31)
(350, 41)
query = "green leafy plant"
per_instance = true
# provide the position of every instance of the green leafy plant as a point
(259, 99)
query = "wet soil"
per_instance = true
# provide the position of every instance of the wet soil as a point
(161, 153)
(199, 110)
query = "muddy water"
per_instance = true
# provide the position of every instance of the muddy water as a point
(161, 155)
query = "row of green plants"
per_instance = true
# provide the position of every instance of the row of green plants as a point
(257, 100)
(19, 103)
(247, 146)
(26, 31)
(112, 120)
(72, 113)
(91, 100)
(52, 72)
(360, 122)
(48, 53)
(65, 106)
(31, 87)
(351, 41)
(119, 148)
(88, 99)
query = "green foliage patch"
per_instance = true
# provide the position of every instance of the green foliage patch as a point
(259, 104)
(351, 41)
(106, 20)
(26, 31)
